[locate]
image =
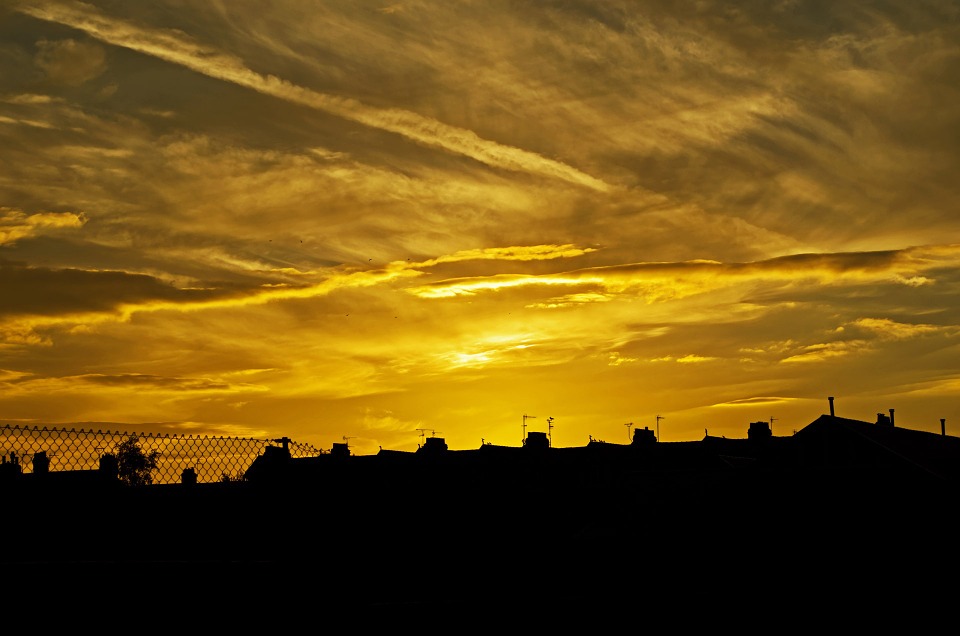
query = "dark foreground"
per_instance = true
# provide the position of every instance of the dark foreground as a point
(723, 539)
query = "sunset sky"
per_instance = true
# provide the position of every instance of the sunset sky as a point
(372, 222)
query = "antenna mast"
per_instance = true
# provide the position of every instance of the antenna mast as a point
(659, 417)
(424, 430)
(550, 431)
(772, 419)
(629, 425)
(525, 418)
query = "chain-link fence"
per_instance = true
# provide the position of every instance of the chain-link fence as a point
(213, 459)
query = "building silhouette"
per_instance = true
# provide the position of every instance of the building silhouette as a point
(841, 502)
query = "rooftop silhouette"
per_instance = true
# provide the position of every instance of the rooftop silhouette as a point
(441, 522)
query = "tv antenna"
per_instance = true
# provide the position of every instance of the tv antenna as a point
(550, 431)
(345, 438)
(629, 425)
(525, 418)
(772, 419)
(424, 430)
(659, 417)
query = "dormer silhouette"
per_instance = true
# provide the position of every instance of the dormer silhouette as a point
(433, 445)
(536, 439)
(643, 437)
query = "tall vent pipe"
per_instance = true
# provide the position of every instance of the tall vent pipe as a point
(831, 406)
(943, 426)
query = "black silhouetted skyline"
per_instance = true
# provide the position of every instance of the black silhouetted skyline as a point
(839, 506)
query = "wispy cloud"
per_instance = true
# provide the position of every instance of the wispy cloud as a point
(826, 350)
(96, 297)
(177, 48)
(17, 224)
(28, 98)
(572, 300)
(18, 121)
(513, 253)
(666, 281)
(892, 330)
(690, 358)
(756, 401)
(69, 61)
(123, 382)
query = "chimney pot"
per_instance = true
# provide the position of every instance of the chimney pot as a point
(891, 418)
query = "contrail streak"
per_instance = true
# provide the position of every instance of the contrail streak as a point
(177, 48)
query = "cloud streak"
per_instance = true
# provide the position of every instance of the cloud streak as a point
(177, 48)
(116, 296)
(663, 281)
(17, 224)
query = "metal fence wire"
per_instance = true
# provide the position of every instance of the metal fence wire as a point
(213, 459)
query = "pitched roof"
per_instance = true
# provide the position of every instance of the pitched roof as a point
(831, 440)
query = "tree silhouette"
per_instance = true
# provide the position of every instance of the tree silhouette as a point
(134, 466)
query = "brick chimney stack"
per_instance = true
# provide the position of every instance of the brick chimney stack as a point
(891, 418)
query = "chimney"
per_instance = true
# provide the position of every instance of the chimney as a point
(831, 406)
(188, 477)
(759, 430)
(41, 463)
(891, 417)
(943, 426)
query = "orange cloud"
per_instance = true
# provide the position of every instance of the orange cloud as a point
(16, 224)
(667, 281)
(892, 330)
(823, 351)
(755, 401)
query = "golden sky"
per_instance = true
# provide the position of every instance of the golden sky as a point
(372, 222)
